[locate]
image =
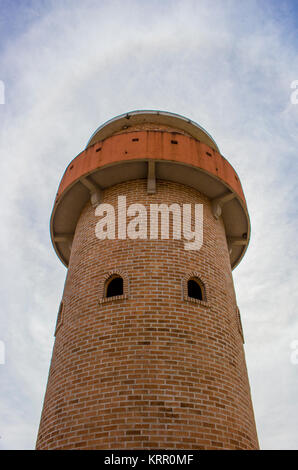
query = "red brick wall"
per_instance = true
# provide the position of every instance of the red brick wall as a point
(151, 370)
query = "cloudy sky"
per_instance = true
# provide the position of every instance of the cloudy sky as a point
(68, 66)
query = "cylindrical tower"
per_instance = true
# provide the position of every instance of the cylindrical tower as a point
(149, 344)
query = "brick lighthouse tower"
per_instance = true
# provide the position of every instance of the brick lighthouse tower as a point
(149, 345)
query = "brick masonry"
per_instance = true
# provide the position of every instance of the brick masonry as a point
(151, 369)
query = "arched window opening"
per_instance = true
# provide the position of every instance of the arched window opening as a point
(114, 286)
(194, 289)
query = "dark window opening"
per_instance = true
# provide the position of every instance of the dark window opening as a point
(194, 290)
(59, 318)
(114, 287)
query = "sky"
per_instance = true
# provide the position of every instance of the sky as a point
(66, 67)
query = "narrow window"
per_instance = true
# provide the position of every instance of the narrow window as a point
(59, 318)
(114, 286)
(194, 289)
(239, 324)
